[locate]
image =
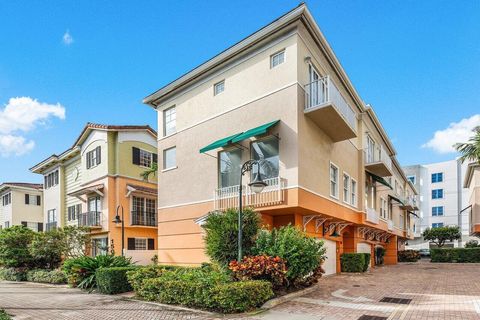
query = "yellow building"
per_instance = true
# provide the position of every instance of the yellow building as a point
(279, 96)
(21, 204)
(100, 173)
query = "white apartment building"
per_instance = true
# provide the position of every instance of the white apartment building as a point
(441, 198)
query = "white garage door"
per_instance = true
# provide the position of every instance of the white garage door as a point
(363, 247)
(330, 264)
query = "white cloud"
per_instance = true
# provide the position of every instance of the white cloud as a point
(443, 140)
(19, 116)
(67, 38)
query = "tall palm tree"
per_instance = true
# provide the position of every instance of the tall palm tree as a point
(470, 150)
(152, 170)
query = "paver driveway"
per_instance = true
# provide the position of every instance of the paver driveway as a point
(438, 291)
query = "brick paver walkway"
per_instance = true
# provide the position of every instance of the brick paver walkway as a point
(438, 292)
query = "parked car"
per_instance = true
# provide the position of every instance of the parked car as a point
(424, 252)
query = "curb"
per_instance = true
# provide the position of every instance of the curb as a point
(276, 301)
(174, 307)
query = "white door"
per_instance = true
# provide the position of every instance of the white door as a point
(363, 247)
(330, 264)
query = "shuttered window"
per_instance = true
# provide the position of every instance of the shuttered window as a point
(140, 244)
(94, 157)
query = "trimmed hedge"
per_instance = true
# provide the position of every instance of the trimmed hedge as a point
(13, 274)
(241, 296)
(4, 315)
(408, 256)
(461, 255)
(355, 262)
(46, 276)
(113, 280)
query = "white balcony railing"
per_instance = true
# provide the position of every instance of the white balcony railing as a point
(390, 224)
(272, 194)
(324, 91)
(378, 154)
(372, 215)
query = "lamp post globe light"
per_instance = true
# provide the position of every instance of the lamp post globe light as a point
(117, 220)
(257, 185)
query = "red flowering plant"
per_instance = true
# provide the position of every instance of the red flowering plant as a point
(261, 267)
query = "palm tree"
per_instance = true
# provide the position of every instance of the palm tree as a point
(470, 150)
(152, 170)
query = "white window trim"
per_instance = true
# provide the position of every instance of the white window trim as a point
(443, 177)
(276, 54)
(146, 243)
(414, 178)
(215, 93)
(151, 158)
(354, 191)
(349, 185)
(165, 122)
(330, 181)
(163, 159)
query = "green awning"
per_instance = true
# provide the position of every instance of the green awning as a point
(396, 199)
(380, 180)
(413, 214)
(255, 131)
(219, 143)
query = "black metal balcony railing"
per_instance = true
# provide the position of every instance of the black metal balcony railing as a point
(51, 225)
(90, 219)
(142, 218)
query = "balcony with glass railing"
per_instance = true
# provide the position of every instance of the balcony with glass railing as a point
(326, 106)
(142, 218)
(92, 219)
(378, 161)
(272, 194)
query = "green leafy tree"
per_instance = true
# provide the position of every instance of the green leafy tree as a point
(222, 234)
(150, 171)
(76, 241)
(470, 150)
(47, 249)
(15, 247)
(442, 234)
(303, 254)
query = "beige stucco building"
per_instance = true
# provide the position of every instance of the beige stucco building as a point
(21, 204)
(282, 97)
(472, 182)
(100, 174)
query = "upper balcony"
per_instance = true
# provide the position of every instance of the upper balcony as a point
(92, 219)
(372, 216)
(326, 106)
(144, 218)
(272, 194)
(410, 203)
(378, 161)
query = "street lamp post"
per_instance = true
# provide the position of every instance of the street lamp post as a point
(118, 220)
(257, 186)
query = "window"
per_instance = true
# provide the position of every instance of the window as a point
(94, 204)
(7, 224)
(333, 180)
(6, 199)
(267, 151)
(73, 212)
(277, 58)
(99, 246)
(218, 87)
(141, 244)
(437, 211)
(229, 165)
(169, 121)
(144, 211)
(51, 179)
(353, 190)
(94, 157)
(437, 193)
(437, 225)
(384, 208)
(346, 187)
(143, 158)
(32, 199)
(412, 179)
(52, 215)
(316, 90)
(169, 158)
(437, 177)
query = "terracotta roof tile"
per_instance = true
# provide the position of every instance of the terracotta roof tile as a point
(25, 185)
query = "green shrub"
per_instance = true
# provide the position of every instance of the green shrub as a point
(222, 232)
(113, 280)
(241, 296)
(303, 254)
(472, 244)
(4, 315)
(461, 255)
(13, 274)
(353, 262)
(137, 276)
(367, 257)
(272, 269)
(46, 276)
(408, 256)
(47, 249)
(81, 271)
(14, 247)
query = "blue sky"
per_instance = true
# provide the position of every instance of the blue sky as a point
(416, 62)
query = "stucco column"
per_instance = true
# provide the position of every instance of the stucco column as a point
(391, 251)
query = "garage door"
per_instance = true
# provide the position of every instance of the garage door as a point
(363, 247)
(330, 264)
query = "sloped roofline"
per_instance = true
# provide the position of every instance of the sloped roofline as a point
(21, 185)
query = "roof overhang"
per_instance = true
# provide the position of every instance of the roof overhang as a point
(132, 188)
(98, 188)
(55, 159)
(469, 173)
